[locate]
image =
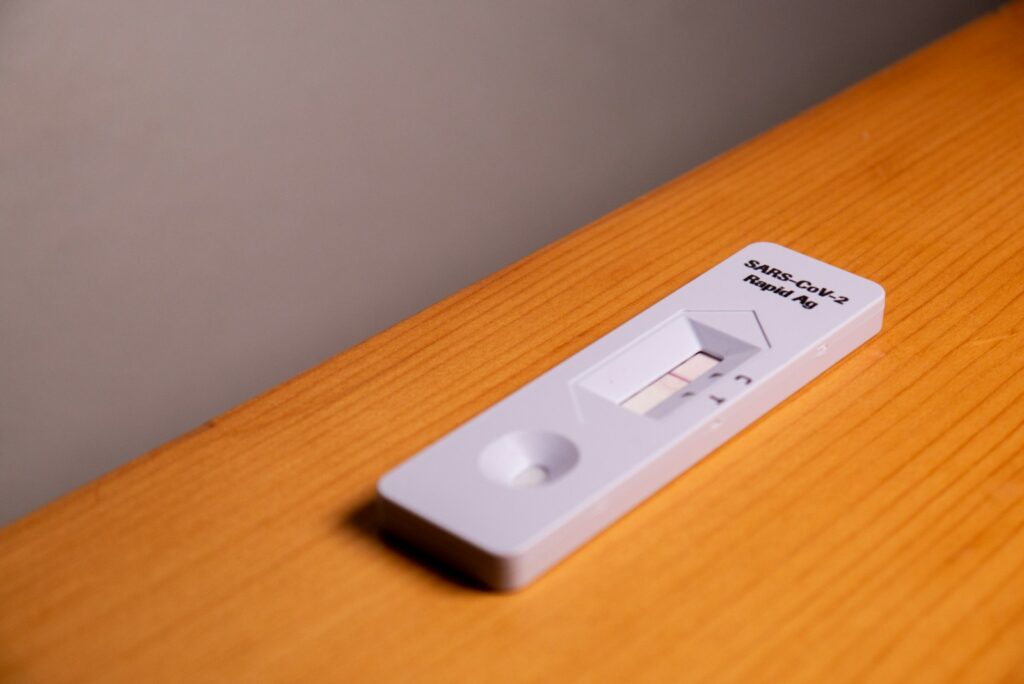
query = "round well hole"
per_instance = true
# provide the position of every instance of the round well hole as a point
(522, 460)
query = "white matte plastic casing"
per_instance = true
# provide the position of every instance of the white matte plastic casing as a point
(775, 319)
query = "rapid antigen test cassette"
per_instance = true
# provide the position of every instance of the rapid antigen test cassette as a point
(523, 484)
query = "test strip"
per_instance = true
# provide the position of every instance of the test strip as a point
(655, 393)
(695, 366)
(668, 384)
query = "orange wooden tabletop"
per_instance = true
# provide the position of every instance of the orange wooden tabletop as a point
(870, 527)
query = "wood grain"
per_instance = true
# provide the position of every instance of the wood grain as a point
(871, 527)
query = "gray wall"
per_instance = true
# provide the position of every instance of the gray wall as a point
(199, 199)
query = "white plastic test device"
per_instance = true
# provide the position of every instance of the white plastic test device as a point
(517, 488)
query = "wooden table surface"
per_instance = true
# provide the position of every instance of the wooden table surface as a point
(871, 527)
